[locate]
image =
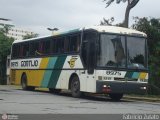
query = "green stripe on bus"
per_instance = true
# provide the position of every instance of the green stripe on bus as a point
(46, 78)
(52, 62)
(129, 75)
(135, 75)
(56, 73)
(48, 73)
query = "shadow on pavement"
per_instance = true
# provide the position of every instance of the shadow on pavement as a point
(86, 96)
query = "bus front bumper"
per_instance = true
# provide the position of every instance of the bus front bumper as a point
(121, 87)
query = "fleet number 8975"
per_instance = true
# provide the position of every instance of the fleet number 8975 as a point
(113, 73)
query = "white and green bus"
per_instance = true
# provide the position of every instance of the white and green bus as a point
(99, 59)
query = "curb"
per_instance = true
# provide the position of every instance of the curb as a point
(146, 99)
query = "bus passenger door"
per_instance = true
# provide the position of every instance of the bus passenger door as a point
(88, 51)
(88, 57)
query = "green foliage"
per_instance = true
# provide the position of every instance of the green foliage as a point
(110, 22)
(28, 36)
(107, 21)
(151, 26)
(5, 44)
(108, 2)
(5, 28)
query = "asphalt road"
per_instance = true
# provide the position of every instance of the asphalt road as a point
(13, 100)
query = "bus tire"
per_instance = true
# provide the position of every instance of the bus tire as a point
(116, 96)
(55, 91)
(75, 87)
(24, 83)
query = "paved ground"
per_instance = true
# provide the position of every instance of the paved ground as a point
(13, 100)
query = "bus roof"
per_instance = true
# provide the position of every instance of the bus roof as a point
(117, 30)
(104, 29)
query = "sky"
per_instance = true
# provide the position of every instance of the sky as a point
(38, 15)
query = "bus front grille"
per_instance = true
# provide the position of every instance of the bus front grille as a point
(125, 79)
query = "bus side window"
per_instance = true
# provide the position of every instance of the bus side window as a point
(31, 49)
(54, 46)
(66, 44)
(60, 45)
(15, 51)
(84, 50)
(44, 47)
(21, 51)
(25, 50)
(74, 44)
(34, 49)
(47, 47)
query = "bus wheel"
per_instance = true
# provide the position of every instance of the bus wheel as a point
(75, 87)
(116, 96)
(24, 84)
(55, 91)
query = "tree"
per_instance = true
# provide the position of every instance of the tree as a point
(28, 36)
(107, 21)
(130, 5)
(5, 46)
(151, 26)
(110, 22)
(5, 28)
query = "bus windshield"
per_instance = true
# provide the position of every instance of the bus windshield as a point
(120, 51)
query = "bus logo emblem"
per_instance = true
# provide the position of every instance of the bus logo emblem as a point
(72, 62)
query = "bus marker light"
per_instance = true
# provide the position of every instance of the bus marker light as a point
(104, 86)
(143, 88)
(106, 89)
